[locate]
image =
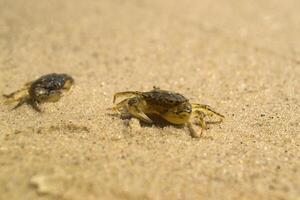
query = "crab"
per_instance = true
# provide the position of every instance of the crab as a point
(171, 106)
(47, 88)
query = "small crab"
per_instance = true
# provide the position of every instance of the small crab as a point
(171, 106)
(47, 88)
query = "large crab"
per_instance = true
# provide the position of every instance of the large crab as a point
(171, 106)
(47, 88)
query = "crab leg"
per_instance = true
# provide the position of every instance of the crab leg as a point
(21, 102)
(201, 111)
(34, 105)
(15, 96)
(206, 109)
(127, 94)
(199, 115)
(120, 105)
(194, 133)
(134, 110)
(26, 86)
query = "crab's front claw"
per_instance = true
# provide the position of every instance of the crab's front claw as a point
(194, 133)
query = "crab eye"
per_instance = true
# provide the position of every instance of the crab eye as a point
(132, 101)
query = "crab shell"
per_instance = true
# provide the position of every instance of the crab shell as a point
(48, 87)
(171, 106)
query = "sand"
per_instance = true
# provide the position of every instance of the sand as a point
(240, 57)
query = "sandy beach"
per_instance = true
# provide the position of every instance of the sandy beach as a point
(240, 57)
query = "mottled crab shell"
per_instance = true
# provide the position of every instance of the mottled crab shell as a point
(164, 98)
(50, 82)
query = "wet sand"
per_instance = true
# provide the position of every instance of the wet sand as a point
(242, 58)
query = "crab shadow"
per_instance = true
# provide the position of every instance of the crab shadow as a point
(158, 121)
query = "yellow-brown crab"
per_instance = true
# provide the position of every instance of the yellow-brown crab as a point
(47, 88)
(171, 106)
